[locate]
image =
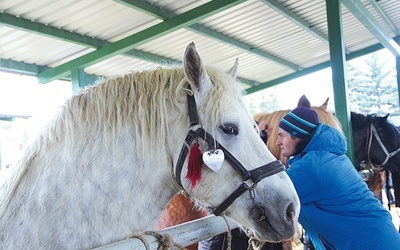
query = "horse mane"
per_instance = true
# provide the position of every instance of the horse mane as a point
(273, 119)
(138, 102)
(359, 121)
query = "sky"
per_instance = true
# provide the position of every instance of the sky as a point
(21, 95)
(316, 87)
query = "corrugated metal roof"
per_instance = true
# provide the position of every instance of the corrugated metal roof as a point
(269, 42)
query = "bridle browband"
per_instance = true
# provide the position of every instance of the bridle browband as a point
(374, 133)
(255, 175)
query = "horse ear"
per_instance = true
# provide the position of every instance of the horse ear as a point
(324, 105)
(233, 71)
(304, 102)
(194, 69)
(386, 117)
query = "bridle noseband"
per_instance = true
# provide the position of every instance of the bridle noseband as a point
(367, 168)
(374, 133)
(255, 175)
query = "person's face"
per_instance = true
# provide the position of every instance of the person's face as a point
(286, 143)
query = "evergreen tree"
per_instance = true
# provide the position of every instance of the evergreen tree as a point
(372, 86)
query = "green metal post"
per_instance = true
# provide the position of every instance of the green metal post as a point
(338, 65)
(78, 79)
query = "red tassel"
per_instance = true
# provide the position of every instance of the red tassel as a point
(194, 165)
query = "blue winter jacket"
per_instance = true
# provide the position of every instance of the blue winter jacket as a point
(338, 211)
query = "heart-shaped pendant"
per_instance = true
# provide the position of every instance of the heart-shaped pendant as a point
(214, 159)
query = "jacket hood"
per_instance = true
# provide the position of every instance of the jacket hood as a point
(327, 138)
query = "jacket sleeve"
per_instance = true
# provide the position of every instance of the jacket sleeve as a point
(305, 175)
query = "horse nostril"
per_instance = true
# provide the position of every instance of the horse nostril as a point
(257, 213)
(290, 212)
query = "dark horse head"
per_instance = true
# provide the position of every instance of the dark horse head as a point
(376, 141)
(376, 149)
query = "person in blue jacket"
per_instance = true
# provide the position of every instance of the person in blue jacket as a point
(338, 211)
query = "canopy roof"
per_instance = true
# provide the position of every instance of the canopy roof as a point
(275, 40)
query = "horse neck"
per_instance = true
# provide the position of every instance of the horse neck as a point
(112, 185)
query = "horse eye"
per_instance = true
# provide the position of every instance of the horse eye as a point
(230, 129)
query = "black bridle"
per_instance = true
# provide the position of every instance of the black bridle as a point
(255, 175)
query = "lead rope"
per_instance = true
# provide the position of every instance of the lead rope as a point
(253, 243)
(228, 233)
(166, 241)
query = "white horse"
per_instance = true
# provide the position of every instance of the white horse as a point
(115, 154)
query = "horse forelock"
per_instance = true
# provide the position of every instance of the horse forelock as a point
(391, 133)
(359, 121)
(226, 91)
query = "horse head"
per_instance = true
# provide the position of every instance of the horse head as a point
(101, 170)
(383, 145)
(223, 154)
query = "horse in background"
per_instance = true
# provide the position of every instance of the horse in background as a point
(376, 148)
(117, 152)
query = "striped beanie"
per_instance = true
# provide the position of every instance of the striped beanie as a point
(300, 122)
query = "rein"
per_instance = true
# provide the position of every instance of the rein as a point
(255, 175)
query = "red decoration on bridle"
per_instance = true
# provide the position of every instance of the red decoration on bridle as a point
(194, 165)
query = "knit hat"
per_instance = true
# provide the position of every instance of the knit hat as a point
(300, 122)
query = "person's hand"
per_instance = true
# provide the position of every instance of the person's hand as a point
(263, 126)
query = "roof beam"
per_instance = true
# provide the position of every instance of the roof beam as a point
(21, 67)
(281, 9)
(128, 43)
(384, 17)
(203, 30)
(49, 31)
(15, 67)
(362, 14)
(148, 8)
(71, 37)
